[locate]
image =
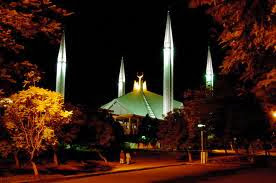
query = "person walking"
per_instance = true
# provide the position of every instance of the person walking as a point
(128, 158)
(267, 147)
(122, 157)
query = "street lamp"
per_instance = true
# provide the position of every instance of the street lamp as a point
(201, 132)
(274, 114)
(203, 155)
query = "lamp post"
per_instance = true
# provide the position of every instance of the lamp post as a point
(201, 134)
(203, 155)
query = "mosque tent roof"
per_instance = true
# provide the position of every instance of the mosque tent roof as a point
(139, 103)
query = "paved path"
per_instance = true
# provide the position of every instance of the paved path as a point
(153, 170)
(182, 173)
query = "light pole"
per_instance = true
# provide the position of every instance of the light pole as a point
(201, 134)
(203, 154)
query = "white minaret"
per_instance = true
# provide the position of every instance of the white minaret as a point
(61, 67)
(122, 80)
(209, 72)
(168, 68)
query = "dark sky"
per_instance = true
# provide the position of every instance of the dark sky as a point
(98, 35)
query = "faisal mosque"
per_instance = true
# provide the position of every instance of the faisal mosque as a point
(130, 108)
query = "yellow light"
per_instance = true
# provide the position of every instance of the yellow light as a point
(140, 85)
(136, 86)
(144, 86)
(274, 114)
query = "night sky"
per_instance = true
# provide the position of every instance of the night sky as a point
(98, 35)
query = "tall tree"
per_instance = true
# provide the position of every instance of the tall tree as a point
(200, 106)
(147, 130)
(31, 119)
(101, 134)
(25, 19)
(14, 77)
(22, 20)
(249, 36)
(66, 134)
(173, 132)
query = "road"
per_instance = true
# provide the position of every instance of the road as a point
(186, 174)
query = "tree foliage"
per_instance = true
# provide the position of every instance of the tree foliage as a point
(244, 119)
(68, 133)
(249, 36)
(179, 130)
(200, 106)
(31, 119)
(172, 132)
(101, 134)
(6, 147)
(225, 116)
(16, 76)
(21, 19)
(147, 130)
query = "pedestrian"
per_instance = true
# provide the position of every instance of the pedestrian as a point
(122, 157)
(267, 148)
(128, 158)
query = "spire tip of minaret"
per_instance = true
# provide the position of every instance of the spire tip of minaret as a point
(121, 83)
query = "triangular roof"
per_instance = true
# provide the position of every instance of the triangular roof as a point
(139, 103)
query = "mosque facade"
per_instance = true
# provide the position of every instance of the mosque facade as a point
(130, 108)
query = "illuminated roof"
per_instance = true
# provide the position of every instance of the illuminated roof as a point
(139, 103)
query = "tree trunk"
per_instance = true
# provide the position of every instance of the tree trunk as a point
(55, 158)
(34, 168)
(231, 145)
(101, 156)
(190, 156)
(16, 159)
(225, 150)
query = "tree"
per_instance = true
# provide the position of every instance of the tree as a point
(7, 148)
(101, 134)
(31, 119)
(25, 19)
(200, 106)
(249, 36)
(147, 131)
(6, 145)
(265, 90)
(244, 120)
(66, 134)
(172, 132)
(16, 76)
(179, 130)
(22, 20)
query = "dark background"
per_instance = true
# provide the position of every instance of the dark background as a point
(99, 34)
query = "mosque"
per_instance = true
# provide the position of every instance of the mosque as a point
(130, 108)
